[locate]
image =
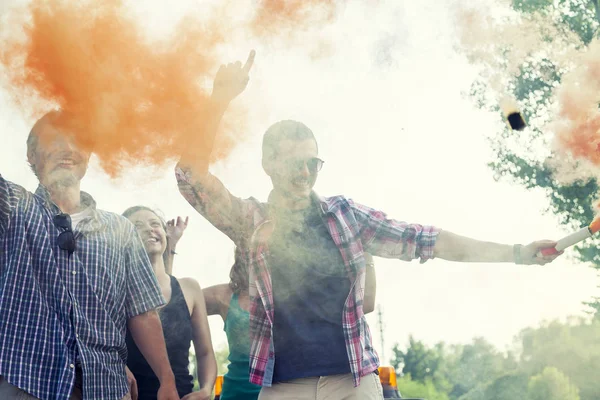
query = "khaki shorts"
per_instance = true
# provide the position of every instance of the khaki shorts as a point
(334, 387)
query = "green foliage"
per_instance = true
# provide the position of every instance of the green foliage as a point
(478, 362)
(507, 387)
(573, 348)
(522, 156)
(422, 363)
(478, 371)
(414, 389)
(222, 361)
(551, 384)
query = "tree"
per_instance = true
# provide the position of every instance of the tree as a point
(422, 363)
(517, 154)
(477, 363)
(551, 384)
(507, 387)
(414, 389)
(571, 347)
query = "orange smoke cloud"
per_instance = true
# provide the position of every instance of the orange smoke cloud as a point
(577, 123)
(125, 97)
(122, 96)
(274, 17)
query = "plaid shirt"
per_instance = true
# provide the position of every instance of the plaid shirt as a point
(59, 310)
(355, 229)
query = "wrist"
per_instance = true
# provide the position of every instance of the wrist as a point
(167, 378)
(517, 254)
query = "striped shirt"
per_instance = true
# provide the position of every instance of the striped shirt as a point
(60, 310)
(354, 228)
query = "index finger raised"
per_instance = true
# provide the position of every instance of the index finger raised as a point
(248, 65)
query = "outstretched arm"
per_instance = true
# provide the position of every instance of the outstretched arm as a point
(452, 247)
(385, 237)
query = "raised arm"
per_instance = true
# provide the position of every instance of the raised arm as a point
(199, 187)
(175, 229)
(205, 356)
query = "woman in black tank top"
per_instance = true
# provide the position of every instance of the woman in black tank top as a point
(183, 318)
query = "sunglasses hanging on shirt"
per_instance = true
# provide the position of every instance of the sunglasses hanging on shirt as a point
(66, 239)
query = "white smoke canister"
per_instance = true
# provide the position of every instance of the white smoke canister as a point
(573, 238)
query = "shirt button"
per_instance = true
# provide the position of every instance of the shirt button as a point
(74, 272)
(71, 366)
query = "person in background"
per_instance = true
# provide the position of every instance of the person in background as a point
(183, 318)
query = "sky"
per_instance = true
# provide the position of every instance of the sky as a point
(383, 89)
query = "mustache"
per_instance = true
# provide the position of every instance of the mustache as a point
(74, 156)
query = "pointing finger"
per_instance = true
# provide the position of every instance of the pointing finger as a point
(249, 62)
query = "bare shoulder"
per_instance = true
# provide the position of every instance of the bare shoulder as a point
(189, 284)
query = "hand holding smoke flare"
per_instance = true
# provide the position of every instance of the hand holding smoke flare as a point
(573, 238)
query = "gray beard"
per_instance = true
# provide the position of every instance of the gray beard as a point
(62, 183)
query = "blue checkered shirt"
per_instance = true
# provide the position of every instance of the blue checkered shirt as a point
(58, 311)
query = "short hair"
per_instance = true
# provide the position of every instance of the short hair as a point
(282, 130)
(33, 139)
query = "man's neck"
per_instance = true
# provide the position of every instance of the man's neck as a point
(67, 198)
(283, 201)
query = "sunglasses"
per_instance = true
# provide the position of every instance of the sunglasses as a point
(314, 164)
(66, 239)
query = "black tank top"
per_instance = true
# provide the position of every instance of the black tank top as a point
(177, 329)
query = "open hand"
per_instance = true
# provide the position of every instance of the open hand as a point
(231, 80)
(175, 229)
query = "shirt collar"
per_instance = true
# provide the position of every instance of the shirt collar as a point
(324, 206)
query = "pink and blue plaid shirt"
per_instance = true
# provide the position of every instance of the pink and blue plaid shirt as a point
(355, 229)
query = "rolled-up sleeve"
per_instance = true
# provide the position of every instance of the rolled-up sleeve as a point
(143, 292)
(390, 238)
(226, 212)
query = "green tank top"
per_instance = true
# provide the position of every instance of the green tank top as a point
(236, 382)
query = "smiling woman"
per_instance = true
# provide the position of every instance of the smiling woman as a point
(183, 318)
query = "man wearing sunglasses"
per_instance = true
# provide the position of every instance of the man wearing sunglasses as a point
(306, 255)
(71, 278)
